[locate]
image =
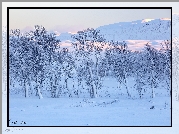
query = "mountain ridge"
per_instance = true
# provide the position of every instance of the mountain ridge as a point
(145, 29)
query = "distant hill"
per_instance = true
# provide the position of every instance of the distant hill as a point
(158, 29)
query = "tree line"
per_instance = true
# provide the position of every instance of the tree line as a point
(36, 56)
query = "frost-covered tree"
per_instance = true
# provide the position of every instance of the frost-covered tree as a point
(67, 67)
(35, 57)
(89, 43)
(20, 58)
(53, 74)
(30, 53)
(165, 52)
(151, 66)
(46, 44)
(139, 72)
(121, 63)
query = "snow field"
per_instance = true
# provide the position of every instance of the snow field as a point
(112, 108)
(90, 112)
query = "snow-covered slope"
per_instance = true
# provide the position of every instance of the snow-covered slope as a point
(158, 29)
(138, 30)
(64, 36)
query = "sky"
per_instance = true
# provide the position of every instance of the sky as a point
(73, 20)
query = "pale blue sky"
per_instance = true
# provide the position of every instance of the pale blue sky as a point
(72, 20)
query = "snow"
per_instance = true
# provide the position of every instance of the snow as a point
(152, 30)
(155, 29)
(111, 108)
(89, 112)
(64, 36)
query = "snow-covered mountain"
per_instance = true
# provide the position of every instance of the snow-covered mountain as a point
(157, 29)
(146, 29)
(64, 36)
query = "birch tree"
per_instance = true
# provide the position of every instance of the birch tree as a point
(46, 44)
(20, 58)
(121, 63)
(30, 53)
(92, 42)
(151, 58)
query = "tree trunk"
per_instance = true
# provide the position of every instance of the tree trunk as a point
(97, 73)
(51, 83)
(26, 89)
(152, 86)
(38, 89)
(39, 92)
(168, 86)
(92, 83)
(153, 91)
(56, 86)
(128, 92)
(73, 84)
(125, 84)
(152, 81)
(66, 86)
(66, 83)
(10, 81)
(56, 92)
(31, 86)
(79, 83)
(152, 77)
(119, 85)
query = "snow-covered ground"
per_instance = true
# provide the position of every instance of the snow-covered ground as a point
(112, 108)
(89, 112)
